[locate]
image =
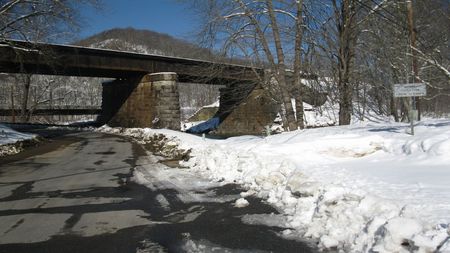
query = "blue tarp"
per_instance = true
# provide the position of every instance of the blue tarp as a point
(204, 127)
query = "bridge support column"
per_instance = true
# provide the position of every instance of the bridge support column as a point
(151, 101)
(245, 109)
(166, 100)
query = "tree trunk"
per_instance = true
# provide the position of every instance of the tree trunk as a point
(396, 102)
(298, 64)
(290, 115)
(281, 70)
(25, 95)
(347, 42)
(344, 86)
(405, 109)
(345, 98)
(364, 102)
(13, 107)
(393, 107)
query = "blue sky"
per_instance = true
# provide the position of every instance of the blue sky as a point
(166, 16)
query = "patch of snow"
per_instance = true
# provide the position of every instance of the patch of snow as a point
(213, 105)
(187, 125)
(163, 201)
(204, 246)
(240, 203)
(9, 136)
(446, 246)
(122, 45)
(147, 246)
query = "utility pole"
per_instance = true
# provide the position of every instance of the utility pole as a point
(412, 36)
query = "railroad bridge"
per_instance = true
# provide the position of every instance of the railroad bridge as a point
(144, 92)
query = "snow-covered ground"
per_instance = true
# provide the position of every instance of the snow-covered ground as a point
(368, 187)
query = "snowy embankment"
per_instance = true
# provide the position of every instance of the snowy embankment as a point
(11, 141)
(359, 188)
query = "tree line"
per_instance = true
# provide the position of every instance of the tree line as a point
(359, 48)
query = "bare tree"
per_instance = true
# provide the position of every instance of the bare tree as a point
(345, 14)
(19, 19)
(385, 54)
(337, 37)
(266, 33)
(43, 20)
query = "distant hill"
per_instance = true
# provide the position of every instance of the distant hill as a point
(145, 42)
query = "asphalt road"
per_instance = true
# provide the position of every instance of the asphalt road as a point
(76, 194)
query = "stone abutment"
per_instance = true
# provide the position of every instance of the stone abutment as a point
(149, 101)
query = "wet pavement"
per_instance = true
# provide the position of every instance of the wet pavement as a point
(76, 194)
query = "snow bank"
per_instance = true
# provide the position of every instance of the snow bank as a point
(360, 188)
(9, 136)
(9, 140)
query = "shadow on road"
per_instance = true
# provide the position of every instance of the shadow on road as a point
(179, 226)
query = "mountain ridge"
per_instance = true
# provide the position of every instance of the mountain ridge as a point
(145, 42)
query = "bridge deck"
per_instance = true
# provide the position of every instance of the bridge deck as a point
(50, 59)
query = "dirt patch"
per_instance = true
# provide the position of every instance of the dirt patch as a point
(172, 163)
(160, 145)
(41, 146)
(156, 143)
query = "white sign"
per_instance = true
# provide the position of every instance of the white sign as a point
(410, 90)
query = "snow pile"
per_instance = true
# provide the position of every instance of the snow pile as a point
(240, 203)
(8, 135)
(360, 188)
(156, 141)
(10, 140)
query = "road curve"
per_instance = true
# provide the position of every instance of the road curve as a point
(75, 194)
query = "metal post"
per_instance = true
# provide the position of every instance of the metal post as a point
(410, 90)
(411, 115)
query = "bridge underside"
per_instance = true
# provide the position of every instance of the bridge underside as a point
(153, 101)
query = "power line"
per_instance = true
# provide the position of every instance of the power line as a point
(402, 26)
(390, 13)
(369, 8)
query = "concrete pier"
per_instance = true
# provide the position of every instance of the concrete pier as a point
(151, 101)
